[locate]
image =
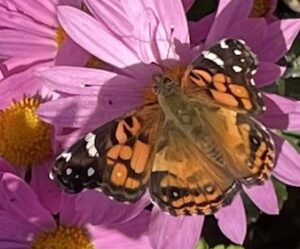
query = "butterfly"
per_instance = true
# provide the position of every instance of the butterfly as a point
(193, 146)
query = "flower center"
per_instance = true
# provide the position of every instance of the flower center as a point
(175, 73)
(260, 8)
(94, 62)
(63, 237)
(25, 138)
(60, 36)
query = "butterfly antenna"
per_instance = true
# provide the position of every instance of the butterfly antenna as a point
(170, 41)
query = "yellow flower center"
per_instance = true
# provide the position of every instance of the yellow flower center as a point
(25, 140)
(94, 62)
(63, 237)
(60, 36)
(260, 8)
(175, 73)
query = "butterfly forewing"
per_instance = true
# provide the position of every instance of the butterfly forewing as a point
(116, 158)
(225, 74)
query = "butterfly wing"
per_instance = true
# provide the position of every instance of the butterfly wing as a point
(245, 143)
(224, 74)
(185, 180)
(115, 158)
(199, 170)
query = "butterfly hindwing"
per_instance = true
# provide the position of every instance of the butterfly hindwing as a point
(114, 158)
(184, 180)
(225, 74)
(245, 143)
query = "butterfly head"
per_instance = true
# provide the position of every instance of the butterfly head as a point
(163, 84)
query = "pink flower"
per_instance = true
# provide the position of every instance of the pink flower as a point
(130, 37)
(30, 34)
(27, 143)
(85, 222)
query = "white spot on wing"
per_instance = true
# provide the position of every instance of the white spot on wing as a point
(66, 155)
(223, 44)
(237, 69)
(69, 171)
(252, 82)
(237, 52)
(51, 176)
(90, 146)
(253, 71)
(90, 171)
(213, 57)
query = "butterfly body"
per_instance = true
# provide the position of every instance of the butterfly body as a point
(193, 147)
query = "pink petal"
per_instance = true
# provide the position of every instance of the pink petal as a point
(168, 232)
(287, 167)
(281, 113)
(95, 38)
(47, 190)
(15, 230)
(18, 198)
(279, 39)
(187, 4)
(113, 15)
(71, 54)
(229, 12)
(129, 235)
(19, 43)
(72, 111)
(15, 86)
(109, 212)
(21, 22)
(173, 18)
(232, 220)
(6, 167)
(278, 104)
(37, 11)
(94, 82)
(145, 33)
(264, 197)
(256, 27)
(267, 73)
(200, 29)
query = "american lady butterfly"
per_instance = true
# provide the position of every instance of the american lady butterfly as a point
(193, 147)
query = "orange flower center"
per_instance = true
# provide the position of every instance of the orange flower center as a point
(25, 138)
(60, 36)
(94, 62)
(260, 8)
(63, 237)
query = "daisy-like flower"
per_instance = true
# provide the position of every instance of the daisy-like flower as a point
(133, 37)
(27, 143)
(87, 221)
(30, 34)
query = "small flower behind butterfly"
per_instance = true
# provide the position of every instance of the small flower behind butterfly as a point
(130, 149)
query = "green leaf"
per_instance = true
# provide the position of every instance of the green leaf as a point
(202, 244)
(281, 192)
(292, 137)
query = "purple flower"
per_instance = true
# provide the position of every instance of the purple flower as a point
(30, 34)
(27, 143)
(131, 37)
(87, 221)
